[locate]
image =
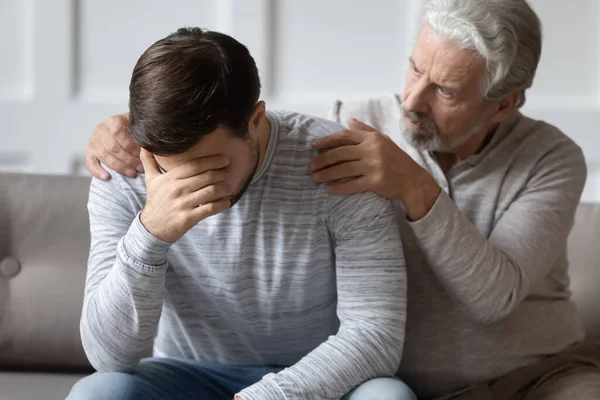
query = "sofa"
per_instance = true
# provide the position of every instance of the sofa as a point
(44, 242)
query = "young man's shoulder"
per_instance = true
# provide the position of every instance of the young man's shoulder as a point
(306, 126)
(118, 188)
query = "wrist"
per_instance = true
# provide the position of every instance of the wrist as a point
(139, 244)
(148, 223)
(420, 198)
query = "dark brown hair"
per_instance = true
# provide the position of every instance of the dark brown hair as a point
(187, 85)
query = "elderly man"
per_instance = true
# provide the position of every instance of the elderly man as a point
(486, 197)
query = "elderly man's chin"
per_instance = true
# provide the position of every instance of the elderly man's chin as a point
(423, 140)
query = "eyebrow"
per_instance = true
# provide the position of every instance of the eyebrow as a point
(412, 62)
(452, 88)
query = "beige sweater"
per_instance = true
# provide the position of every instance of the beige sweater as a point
(488, 289)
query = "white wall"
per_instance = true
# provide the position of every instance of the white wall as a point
(65, 64)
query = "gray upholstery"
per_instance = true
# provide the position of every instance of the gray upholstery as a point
(44, 228)
(44, 240)
(584, 270)
(36, 386)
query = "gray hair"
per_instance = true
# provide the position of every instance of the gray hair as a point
(506, 33)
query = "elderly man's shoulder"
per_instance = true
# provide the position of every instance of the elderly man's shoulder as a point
(382, 112)
(542, 139)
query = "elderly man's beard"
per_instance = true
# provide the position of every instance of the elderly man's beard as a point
(429, 139)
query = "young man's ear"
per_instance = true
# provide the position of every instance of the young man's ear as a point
(505, 106)
(260, 112)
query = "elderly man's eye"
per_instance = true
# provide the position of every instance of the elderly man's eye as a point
(445, 91)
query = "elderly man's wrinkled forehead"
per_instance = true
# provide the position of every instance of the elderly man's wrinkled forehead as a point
(445, 61)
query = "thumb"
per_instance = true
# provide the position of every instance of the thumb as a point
(357, 125)
(149, 162)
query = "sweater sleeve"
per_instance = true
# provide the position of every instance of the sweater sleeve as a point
(371, 289)
(521, 248)
(125, 281)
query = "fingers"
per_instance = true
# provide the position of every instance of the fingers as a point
(342, 138)
(129, 148)
(209, 194)
(335, 156)
(197, 182)
(355, 124)
(111, 147)
(104, 147)
(130, 154)
(114, 136)
(347, 170)
(93, 165)
(117, 165)
(149, 162)
(206, 210)
(198, 166)
(117, 122)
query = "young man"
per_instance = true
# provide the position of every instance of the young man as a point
(249, 279)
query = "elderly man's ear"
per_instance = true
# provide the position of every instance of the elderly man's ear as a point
(505, 106)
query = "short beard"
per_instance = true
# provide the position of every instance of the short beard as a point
(246, 183)
(431, 139)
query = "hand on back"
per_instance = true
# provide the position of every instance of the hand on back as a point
(112, 144)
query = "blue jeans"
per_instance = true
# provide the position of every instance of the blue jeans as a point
(170, 379)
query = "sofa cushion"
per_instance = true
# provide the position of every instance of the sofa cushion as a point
(29, 386)
(44, 245)
(584, 257)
